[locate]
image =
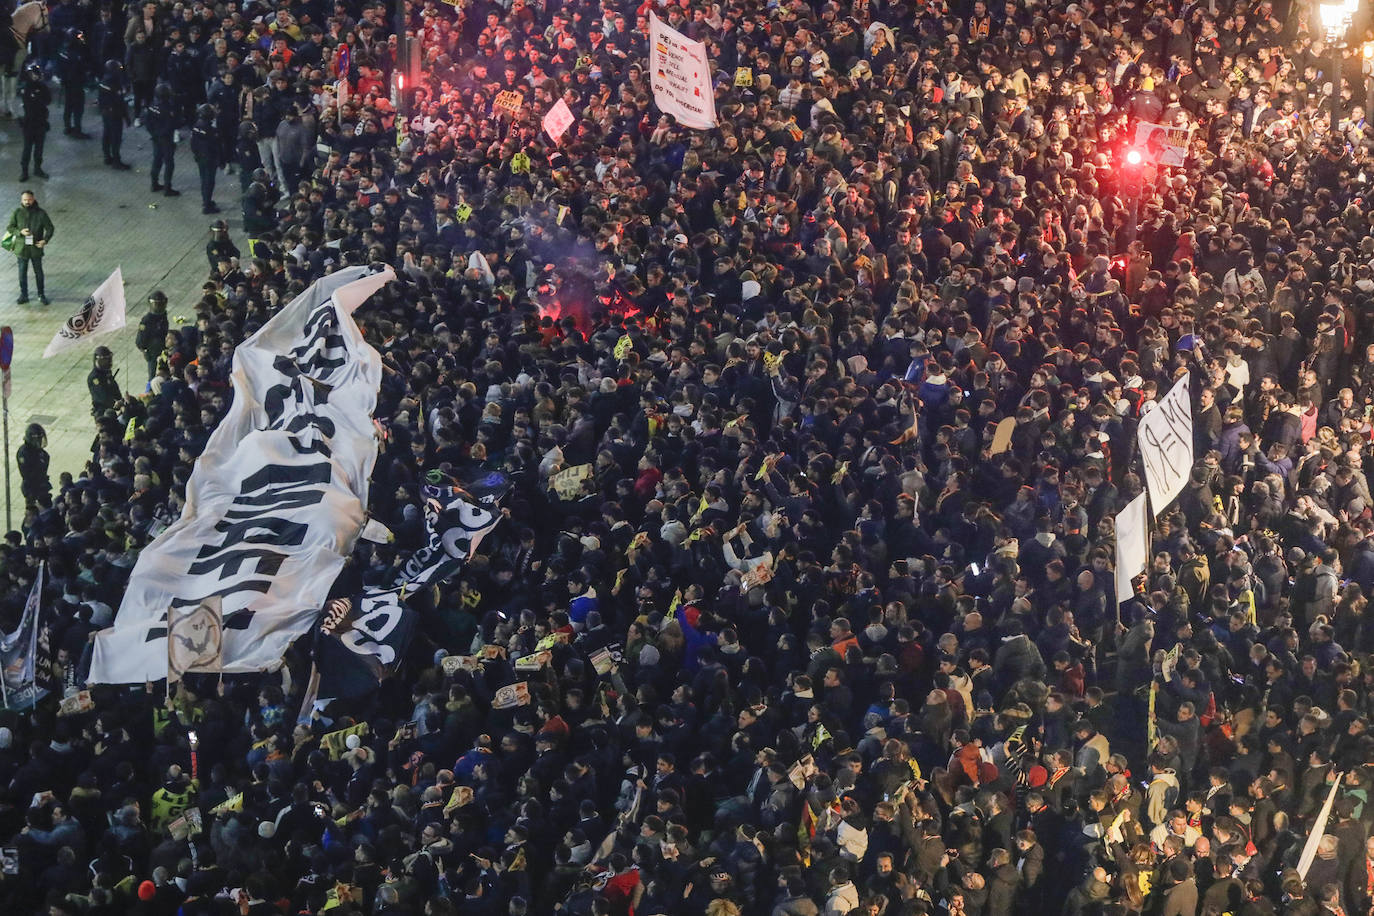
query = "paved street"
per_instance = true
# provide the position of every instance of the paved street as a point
(104, 219)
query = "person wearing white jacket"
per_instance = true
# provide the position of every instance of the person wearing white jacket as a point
(843, 896)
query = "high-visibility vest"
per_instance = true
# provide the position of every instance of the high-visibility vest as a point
(168, 805)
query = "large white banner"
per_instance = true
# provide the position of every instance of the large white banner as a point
(1314, 839)
(275, 502)
(680, 76)
(102, 312)
(1132, 545)
(1165, 438)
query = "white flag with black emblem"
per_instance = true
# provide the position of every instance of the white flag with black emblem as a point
(102, 312)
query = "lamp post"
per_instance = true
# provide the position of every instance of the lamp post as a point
(1336, 17)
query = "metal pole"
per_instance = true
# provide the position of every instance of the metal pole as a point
(1336, 85)
(9, 525)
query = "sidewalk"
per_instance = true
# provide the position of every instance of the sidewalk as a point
(104, 219)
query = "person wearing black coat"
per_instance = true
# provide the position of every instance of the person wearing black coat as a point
(160, 120)
(34, 97)
(114, 114)
(205, 147)
(74, 68)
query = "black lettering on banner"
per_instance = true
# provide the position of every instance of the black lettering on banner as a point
(266, 562)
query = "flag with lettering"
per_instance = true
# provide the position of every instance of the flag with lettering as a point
(1165, 438)
(361, 642)
(276, 501)
(19, 653)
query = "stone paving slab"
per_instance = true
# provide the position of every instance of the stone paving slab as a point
(104, 219)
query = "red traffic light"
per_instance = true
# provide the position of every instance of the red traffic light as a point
(1133, 157)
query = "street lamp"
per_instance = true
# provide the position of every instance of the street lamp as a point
(1336, 17)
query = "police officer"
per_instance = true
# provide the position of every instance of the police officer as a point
(101, 382)
(152, 330)
(220, 247)
(205, 147)
(35, 97)
(74, 68)
(160, 119)
(114, 114)
(33, 468)
(258, 211)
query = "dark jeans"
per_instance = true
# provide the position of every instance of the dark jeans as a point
(164, 156)
(73, 107)
(33, 149)
(111, 137)
(207, 181)
(24, 275)
(143, 94)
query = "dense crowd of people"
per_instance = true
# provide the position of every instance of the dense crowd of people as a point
(818, 643)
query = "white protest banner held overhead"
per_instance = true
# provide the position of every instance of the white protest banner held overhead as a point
(680, 76)
(276, 501)
(1314, 839)
(1162, 144)
(1165, 439)
(1132, 545)
(102, 312)
(558, 120)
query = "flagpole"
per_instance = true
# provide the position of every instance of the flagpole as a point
(1314, 839)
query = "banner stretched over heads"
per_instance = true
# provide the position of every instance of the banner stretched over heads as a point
(276, 501)
(680, 76)
(102, 312)
(1165, 439)
(1132, 545)
(19, 653)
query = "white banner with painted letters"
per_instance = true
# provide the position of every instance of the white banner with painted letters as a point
(276, 501)
(680, 76)
(1165, 439)
(1132, 545)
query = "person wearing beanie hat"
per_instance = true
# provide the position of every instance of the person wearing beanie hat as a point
(147, 890)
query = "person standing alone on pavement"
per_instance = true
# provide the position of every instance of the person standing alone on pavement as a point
(74, 68)
(34, 97)
(160, 119)
(32, 223)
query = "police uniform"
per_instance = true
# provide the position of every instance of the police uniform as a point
(35, 97)
(205, 148)
(152, 332)
(101, 383)
(114, 114)
(220, 248)
(160, 119)
(73, 65)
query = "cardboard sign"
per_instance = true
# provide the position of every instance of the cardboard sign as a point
(509, 102)
(602, 661)
(534, 661)
(511, 696)
(567, 483)
(1001, 440)
(744, 76)
(233, 803)
(761, 574)
(187, 825)
(76, 704)
(463, 212)
(558, 120)
(452, 664)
